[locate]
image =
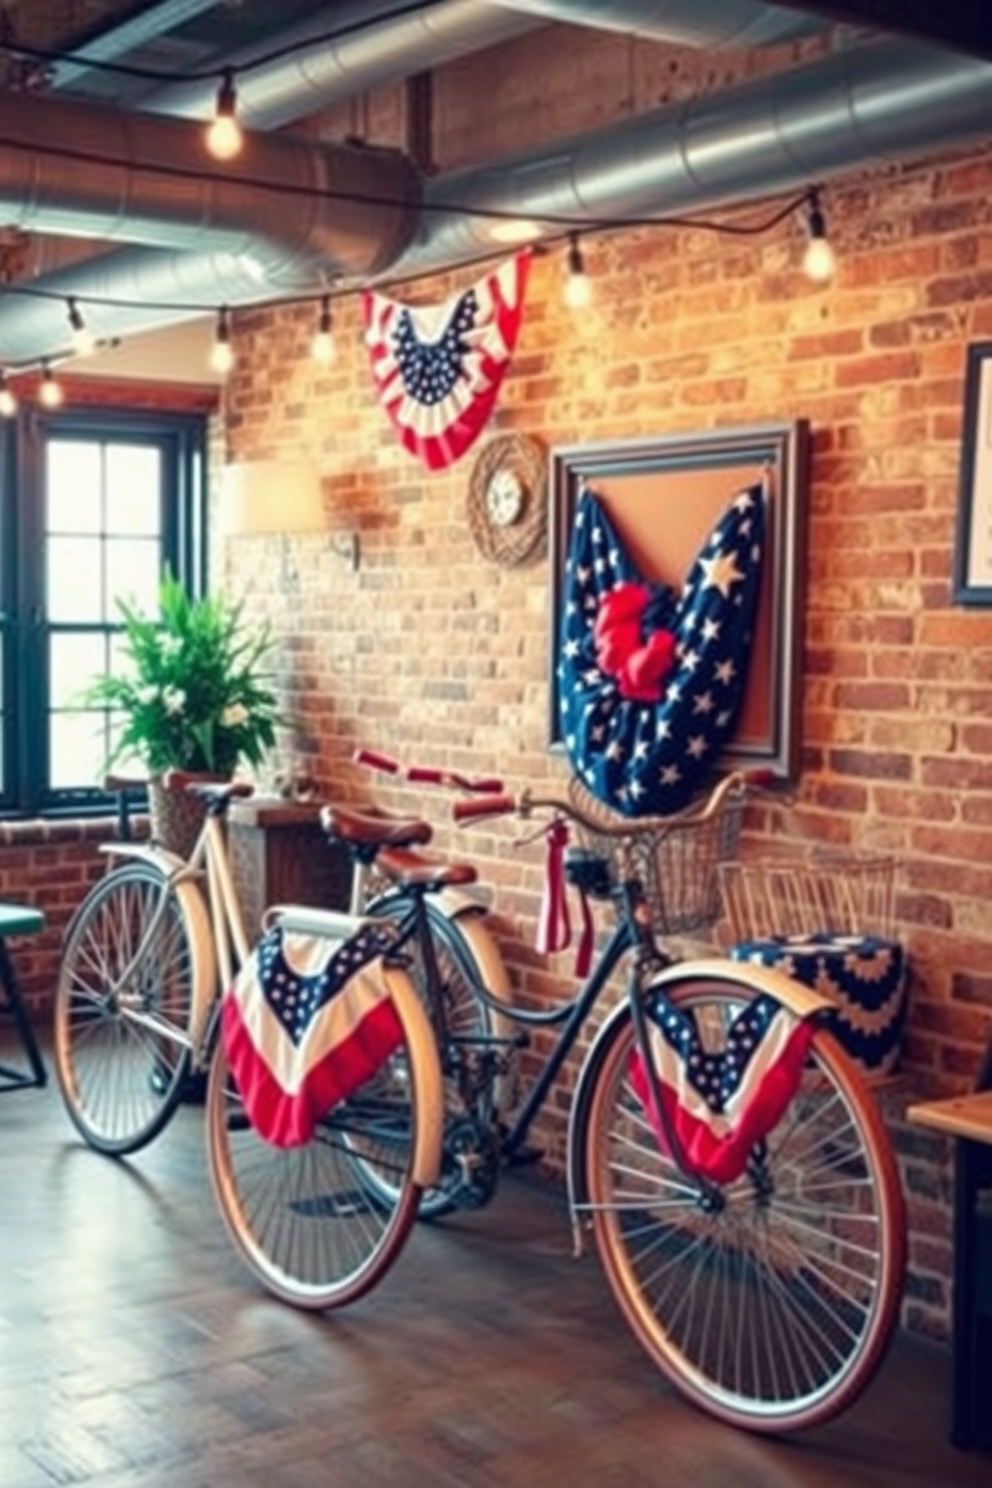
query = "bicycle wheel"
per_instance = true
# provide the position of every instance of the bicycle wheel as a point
(320, 1224)
(772, 1306)
(475, 1065)
(122, 1020)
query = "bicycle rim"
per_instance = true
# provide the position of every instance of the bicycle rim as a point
(773, 1312)
(319, 1224)
(469, 1024)
(121, 1026)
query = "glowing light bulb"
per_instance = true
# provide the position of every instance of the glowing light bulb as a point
(322, 348)
(50, 392)
(819, 260)
(224, 136)
(221, 353)
(83, 341)
(578, 290)
(8, 402)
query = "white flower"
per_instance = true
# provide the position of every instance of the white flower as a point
(173, 699)
(170, 645)
(233, 715)
(147, 694)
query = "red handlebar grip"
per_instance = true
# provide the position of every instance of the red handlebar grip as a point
(464, 811)
(760, 779)
(425, 775)
(376, 761)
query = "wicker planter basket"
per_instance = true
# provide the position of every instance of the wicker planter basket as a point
(176, 815)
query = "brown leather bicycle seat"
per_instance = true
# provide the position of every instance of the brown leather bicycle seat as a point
(373, 830)
(412, 869)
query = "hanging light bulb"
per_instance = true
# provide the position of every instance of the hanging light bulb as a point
(819, 260)
(50, 392)
(578, 290)
(224, 137)
(8, 402)
(82, 337)
(221, 354)
(322, 347)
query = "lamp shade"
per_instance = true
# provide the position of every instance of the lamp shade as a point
(258, 496)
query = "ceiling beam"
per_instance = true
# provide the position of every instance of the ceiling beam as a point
(963, 27)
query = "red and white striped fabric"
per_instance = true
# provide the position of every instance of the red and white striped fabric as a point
(719, 1104)
(437, 368)
(306, 1022)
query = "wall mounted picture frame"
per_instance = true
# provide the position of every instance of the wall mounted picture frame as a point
(972, 579)
(663, 495)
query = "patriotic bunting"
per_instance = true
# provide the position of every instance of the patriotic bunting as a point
(305, 1023)
(438, 368)
(650, 682)
(719, 1104)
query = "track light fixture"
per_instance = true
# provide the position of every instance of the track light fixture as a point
(50, 392)
(322, 347)
(221, 354)
(819, 260)
(224, 137)
(8, 401)
(82, 337)
(578, 290)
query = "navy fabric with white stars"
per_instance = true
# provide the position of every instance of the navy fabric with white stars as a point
(646, 758)
(430, 369)
(716, 1077)
(297, 999)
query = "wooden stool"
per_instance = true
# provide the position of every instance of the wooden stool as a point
(16, 919)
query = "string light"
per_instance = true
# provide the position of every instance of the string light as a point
(83, 342)
(819, 260)
(224, 136)
(322, 348)
(8, 402)
(221, 353)
(578, 290)
(50, 391)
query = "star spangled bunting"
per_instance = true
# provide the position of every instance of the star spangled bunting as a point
(719, 1104)
(650, 755)
(305, 1023)
(437, 368)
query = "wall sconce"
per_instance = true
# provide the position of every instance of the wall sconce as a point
(278, 497)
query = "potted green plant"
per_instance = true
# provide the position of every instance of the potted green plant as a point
(192, 694)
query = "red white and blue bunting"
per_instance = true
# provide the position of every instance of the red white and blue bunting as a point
(438, 368)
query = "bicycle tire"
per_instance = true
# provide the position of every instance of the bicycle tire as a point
(122, 1053)
(316, 1224)
(771, 1314)
(463, 952)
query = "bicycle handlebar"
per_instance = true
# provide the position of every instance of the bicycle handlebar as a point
(428, 774)
(605, 821)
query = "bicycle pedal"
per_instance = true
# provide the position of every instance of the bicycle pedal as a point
(524, 1156)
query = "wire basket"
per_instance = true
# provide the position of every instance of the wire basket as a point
(809, 891)
(676, 859)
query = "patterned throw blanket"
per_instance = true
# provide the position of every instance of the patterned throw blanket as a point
(719, 1104)
(306, 1022)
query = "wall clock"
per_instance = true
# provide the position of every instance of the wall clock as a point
(507, 499)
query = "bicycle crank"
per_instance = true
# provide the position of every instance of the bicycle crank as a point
(470, 1163)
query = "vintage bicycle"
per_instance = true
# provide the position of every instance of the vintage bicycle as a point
(137, 1013)
(762, 1272)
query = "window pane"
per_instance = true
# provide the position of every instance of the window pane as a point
(133, 573)
(74, 660)
(78, 749)
(74, 481)
(134, 489)
(75, 591)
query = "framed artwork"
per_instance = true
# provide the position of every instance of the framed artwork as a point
(973, 547)
(663, 497)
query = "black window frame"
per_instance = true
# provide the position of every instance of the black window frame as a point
(25, 790)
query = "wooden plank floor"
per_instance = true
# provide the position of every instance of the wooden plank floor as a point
(135, 1352)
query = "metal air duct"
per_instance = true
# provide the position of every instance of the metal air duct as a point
(876, 102)
(370, 52)
(717, 23)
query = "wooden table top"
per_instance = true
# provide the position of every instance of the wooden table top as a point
(960, 1116)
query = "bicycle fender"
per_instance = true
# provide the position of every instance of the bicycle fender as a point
(803, 1001)
(145, 852)
(429, 1126)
